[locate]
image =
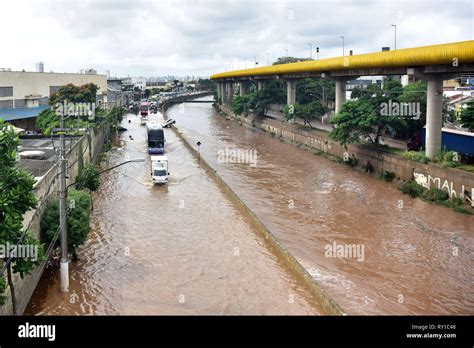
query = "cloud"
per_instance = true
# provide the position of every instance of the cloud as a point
(153, 38)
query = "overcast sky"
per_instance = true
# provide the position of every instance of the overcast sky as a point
(155, 38)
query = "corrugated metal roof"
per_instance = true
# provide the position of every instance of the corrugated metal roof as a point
(20, 113)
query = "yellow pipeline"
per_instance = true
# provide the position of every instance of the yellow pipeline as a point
(462, 52)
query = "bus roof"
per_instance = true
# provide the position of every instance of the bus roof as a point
(154, 125)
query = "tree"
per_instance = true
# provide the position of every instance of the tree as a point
(414, 93)
(88, 178)
(360, 119)
(311, 89)
(79, 207)
(206, 85)
(16, 187)
(243, 104)
(75, 94)
(467, 116)
(287, 60)
(307, 112)
(392, 88)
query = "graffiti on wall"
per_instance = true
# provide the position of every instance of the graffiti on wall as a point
(429, 182)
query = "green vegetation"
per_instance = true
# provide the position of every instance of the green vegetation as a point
(242, 104)
(307, 112)
(49, 118)
(88, 178)
(310, 90)
(412, 189)
(417, 156)
(388, 176)
(467, 116)
(79, 207)
(75, 94)
(447, 158)
(433, 195)
(16, 187)
(365, 118)
(360, 119)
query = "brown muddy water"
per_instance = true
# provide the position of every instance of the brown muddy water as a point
(182, 248)
(399, 255)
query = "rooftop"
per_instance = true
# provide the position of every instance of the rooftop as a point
(20, 113)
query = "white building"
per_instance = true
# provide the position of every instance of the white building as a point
(139, 82)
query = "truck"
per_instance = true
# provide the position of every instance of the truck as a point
(455, 140)
(159, 169)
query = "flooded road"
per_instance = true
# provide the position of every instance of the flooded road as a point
(182, 248)
(410, 257)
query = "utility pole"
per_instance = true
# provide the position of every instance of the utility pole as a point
(286, 49)
(64, 266)
(268, 59)
(342, 37)
(395, 27)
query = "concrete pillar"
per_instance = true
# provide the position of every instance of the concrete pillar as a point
(242, 88)
(259, 85)
(229, 92)
(218, 90)
(434, 116)
(340, 93)
(291, 92)
(222, 92)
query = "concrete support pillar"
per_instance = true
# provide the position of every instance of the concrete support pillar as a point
(291, 92)
(229, 92)
(223, 95)
(259, 85)
(242, 88)
(434, 116)
(219, 95)
(340, 94)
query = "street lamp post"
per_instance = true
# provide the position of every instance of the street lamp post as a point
(395, 27)
(310, 50)
(342, 37)
(286, 49)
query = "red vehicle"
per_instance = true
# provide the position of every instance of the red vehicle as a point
(144, 112)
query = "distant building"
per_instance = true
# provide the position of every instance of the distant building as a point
(116, 95)
(136, 82)
(88, 71)
(40, 67)
(458, 102)
(23, 95)
(359, 83)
